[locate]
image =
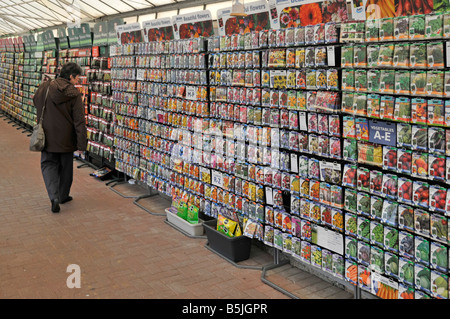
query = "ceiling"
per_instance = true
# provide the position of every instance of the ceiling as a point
(23, 16)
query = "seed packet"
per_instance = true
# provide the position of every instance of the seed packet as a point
(348, 80)
(389, 158)
(419, 112)
(360, 104)
(363, 205)
(321, 79)
(373, 52)
(400, 57)
(332, 79)
(419, 138)
(362, 128)
(387, 81)
(363, 179)
(350, 152)
(349, 128)
(401, 29)
(436, 112)
(421, 193)
(372, 30)
(418, 82)
(334, 125)
(360, 80)
(376, 181)
(402, 82)
(405, 190)
(434, 26)
(418, 54)
(387, 106)
(311, 79)
(299, 35)
(436, 167)
(404, 135)
(320, 55)
(405, 221)
(331, 35)
(435, 55)
(391, 239)
(373, 105)
(319, 33)
(404, 162)
(347, 55)
(402, 111)
(360, 56)
(437, 225)
(386, 29)
(417, 26)
(385, 55)
(419, 164)
(376, 204)
(350, 223)
(373, 80)
(309, 34)
(447, 83)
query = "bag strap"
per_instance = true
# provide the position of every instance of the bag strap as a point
(45, 102)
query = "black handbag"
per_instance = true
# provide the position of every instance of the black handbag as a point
(37, 139)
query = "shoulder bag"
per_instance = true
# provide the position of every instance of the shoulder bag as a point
(37, 139)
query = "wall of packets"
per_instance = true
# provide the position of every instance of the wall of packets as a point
(278, 126)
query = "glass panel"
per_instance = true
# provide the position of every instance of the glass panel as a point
(53, 13)
(121, 6)
(166, 14)
(190, 10)
(129, 20)
(138, 4)
(162, 2)
(147, 17)
(217, 6)
(102, 7)
(32, 12)
(5, 3)
(92, 11)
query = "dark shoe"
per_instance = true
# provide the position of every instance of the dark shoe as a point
(55, 206)
(68, 199)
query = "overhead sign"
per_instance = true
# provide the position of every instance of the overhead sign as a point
(257, 19)
(129, 33)
(193, 25)
(158, 30)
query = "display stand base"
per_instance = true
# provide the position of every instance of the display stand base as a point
(125, 182)
(151, 193)
(272, 284)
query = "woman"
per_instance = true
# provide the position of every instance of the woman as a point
(65, 132)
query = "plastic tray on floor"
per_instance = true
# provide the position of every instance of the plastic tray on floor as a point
(233, 248)
(184, 225)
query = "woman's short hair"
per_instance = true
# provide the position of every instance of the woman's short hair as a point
(68, 69)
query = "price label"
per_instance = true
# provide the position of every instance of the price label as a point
(191, 93)
(217, 178)
(140, 74)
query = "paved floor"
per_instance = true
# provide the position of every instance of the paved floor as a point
(121, 249)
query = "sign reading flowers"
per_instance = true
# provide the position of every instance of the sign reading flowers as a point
(158, 30)
(289, 14)
(193, 25)
(257, 19)
(129, 33)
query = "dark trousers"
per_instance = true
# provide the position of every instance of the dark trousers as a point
(57, 170)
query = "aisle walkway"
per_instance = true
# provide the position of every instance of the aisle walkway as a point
(122, 251)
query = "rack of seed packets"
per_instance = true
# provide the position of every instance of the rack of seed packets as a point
(396, 134)
(277, 91)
